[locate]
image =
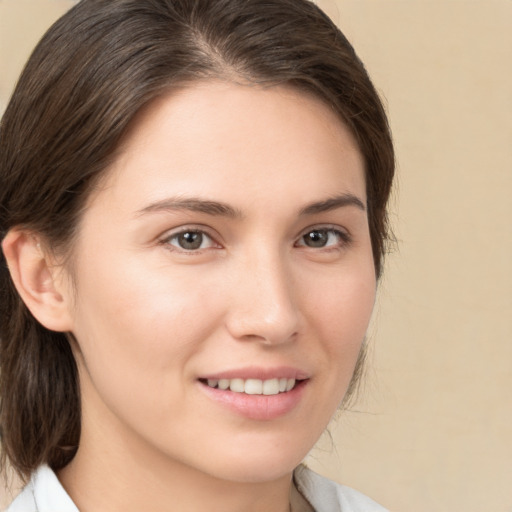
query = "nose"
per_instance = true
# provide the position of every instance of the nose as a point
(263, 305)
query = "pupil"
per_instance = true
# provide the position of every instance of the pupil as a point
(316, 238)
(191, 240)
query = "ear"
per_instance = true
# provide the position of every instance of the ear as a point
(39, 282)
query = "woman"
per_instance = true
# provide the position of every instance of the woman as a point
(193, 221)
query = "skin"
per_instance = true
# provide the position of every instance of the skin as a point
(151, 318)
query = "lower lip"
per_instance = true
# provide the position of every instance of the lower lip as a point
(258, 407)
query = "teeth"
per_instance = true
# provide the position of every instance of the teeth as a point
(237, 385)
(254, 386)
(223, 384)
(271, 387)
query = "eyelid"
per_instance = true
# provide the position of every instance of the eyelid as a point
(196, 228)
(343, 233)
(333, 227)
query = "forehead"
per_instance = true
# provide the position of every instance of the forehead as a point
(220, 138)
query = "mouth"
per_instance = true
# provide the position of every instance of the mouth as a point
(266, 387)
(257, 393)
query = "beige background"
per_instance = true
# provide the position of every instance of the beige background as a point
(433, 429)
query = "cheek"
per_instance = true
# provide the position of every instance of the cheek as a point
(342, 309)
(350, 310)
(137, 329)
(133, 303)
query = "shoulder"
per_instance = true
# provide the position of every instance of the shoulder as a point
(328, 496)
(43, 493)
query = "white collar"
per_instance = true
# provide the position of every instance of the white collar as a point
(44, 493)
(328, 496)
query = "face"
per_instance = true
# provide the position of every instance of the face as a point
(224, 281)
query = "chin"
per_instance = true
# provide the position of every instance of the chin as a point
(262, 464)
(261, 472)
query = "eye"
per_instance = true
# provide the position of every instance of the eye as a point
(323, 238)
(190, 240)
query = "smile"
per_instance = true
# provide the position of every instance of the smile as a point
(257, 399)
(253, 386)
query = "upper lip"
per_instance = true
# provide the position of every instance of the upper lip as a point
(261, 373)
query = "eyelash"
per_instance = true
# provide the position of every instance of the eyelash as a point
(196, 231)
(344, 239)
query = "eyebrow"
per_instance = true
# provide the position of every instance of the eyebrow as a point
(332, 204)
(194, 205)
(217, 208)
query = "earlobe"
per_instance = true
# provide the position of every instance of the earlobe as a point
(37, 280)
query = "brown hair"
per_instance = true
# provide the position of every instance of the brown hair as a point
(91, 73)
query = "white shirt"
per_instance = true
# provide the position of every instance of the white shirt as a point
(44, 493)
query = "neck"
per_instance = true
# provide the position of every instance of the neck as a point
(141, 488)
(120, 473)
